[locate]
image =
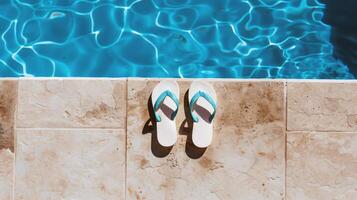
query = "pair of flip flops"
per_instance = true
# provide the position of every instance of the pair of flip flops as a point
(202, 104)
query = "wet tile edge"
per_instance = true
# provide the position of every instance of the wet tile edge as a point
(189, 79)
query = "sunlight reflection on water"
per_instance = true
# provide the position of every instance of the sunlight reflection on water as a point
(188, 38)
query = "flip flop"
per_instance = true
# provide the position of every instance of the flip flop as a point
(203, 104)
(165, 104)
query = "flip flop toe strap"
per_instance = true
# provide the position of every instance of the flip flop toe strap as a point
(161, 99)
(209, 100)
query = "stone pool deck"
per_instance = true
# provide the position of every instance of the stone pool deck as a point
(91, 139)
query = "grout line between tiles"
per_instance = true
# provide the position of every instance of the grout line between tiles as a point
(286, 104)
(323, 131)
(286, 164)
(285, 137)
(15, 138)
(126, 139)
(14, 166)
(71, 128)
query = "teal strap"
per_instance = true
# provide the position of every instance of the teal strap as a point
(208, 98)
(160, 99)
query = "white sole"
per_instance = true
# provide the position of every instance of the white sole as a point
(166, 128)
(202, 131)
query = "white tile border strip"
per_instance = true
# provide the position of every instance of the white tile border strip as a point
(187, 79)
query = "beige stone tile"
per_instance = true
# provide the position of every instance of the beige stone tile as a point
(245, 160)
(321, 165)
(68, 103)
(8, 99)
(70, 164)
(324, 106)
(6, 174)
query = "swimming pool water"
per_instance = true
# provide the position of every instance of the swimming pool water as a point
(167, 38)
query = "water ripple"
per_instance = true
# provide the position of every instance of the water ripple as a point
(154, 38)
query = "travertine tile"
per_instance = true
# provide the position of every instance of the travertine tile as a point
(324, 106)
(321, 166)
(6, 174)
(245, 160)
(8, 100)
(65, 103)
(70, 164)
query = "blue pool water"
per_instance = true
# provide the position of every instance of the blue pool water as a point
(168, 38)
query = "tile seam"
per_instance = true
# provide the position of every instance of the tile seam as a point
(286, 136)
(286, 165)
(126, 138)
(286, 104)
(15, 137)
(321, 132)
(72, 128)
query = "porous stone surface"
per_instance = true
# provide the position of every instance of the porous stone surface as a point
(245, 161)
(72, 103)
(70, 164)
(6, 174)
(8, 101)
(321, 165)
(76, 139)
(322, 106)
